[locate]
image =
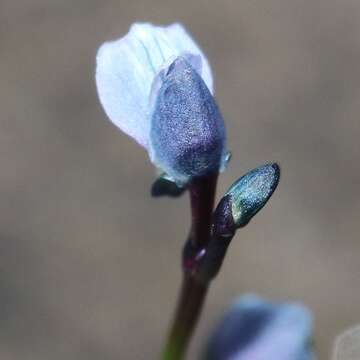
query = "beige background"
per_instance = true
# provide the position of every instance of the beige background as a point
(89, 263)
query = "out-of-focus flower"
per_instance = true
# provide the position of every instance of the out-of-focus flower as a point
(156, 85)
(255, 329)
(347, 345)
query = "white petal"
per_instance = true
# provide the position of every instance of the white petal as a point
(126, 69)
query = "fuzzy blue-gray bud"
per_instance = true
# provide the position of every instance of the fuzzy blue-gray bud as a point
(187, 132)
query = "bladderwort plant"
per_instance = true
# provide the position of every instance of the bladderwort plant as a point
(156, 85)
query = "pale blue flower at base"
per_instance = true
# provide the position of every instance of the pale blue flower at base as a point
(130, 75)
(256, 329)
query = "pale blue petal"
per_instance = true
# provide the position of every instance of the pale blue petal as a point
(183, 43)
(126, 69)
(123, 86)
(255, 329)
(285, 337)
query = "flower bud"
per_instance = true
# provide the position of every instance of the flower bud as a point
(187, 133)
(127, 68)
(245, 198)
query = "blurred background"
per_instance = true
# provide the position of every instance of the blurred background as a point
(89, 262)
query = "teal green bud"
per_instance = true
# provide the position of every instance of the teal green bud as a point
(248, 195)
(243, 200)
